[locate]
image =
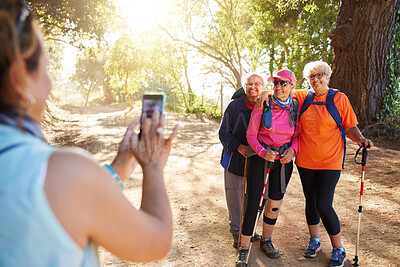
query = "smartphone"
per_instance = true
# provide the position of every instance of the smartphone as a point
(152, 102)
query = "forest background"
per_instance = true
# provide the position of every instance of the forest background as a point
(104, 54)
(197, 51)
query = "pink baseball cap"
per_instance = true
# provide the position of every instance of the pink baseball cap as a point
(283, 75)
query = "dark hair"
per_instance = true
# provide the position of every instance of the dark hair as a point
(16, 43)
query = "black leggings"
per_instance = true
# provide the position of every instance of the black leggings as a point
(255, 182)
(319, 188)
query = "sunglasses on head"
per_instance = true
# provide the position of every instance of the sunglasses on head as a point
(282, 83)
(23, 15)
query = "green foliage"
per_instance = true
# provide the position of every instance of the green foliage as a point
(166, 68)
(125, 65)
(55, 50)
(391, 102)
(207, 108)
(71, 20)
(295, 31)
(90, 72)
(219, 31)
(232, 36)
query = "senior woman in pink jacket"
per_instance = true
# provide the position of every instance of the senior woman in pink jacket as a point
(273, 137)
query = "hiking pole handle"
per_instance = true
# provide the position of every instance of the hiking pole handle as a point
(269, 164)
(364, 155)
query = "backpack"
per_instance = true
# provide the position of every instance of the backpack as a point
(331, 107)
(267, 114)
(238, 93)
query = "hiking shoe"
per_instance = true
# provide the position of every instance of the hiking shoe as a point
(242, 257)
(235, 240)
(338, 258)
(269, 249)
(312, 249)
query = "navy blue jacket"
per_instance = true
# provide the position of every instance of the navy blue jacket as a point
(232, 133)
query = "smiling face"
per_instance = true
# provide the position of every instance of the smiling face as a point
(254, 86)
(318, 81)
(282, 89)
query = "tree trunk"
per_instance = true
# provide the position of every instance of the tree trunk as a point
(88, 93)
(272, 59)
(107, 91)
(361, 43)
(238, 78)
(126, 92)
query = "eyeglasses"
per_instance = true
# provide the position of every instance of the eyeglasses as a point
(23, 15)
(318, 76)
(282, 83)
(257, 84)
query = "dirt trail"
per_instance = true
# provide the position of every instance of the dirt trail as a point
(194, 181)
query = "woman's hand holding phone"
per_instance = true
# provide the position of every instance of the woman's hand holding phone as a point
(125, 163)
(152, 148)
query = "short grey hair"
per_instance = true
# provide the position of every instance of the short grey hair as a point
(319, 66)
(247, 77)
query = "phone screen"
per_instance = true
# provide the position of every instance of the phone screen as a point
(152, 103)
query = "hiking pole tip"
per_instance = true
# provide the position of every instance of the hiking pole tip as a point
(355, 264)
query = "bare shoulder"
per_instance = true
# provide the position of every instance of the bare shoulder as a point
(77, 171)
(73, 155)
(74, 164)
(76, 186)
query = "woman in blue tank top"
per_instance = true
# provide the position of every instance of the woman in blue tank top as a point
(57, 205)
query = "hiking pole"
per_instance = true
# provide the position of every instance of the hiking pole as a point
(242, 208)
(363, 163)
(260, 208)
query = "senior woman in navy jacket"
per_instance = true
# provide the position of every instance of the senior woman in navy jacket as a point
(232, 134)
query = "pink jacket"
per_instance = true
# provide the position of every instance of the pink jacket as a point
(279, 134)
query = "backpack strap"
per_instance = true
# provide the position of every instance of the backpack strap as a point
(332, 109)
(293, 111)
(309, 98)
(330, 105)
(266, 119)
(267, 114)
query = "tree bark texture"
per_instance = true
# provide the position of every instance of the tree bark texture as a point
(361, 43)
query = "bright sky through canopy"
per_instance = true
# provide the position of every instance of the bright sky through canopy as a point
(142, 15)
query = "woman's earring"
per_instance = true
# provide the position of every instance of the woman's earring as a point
(31, 100)
(27, 102)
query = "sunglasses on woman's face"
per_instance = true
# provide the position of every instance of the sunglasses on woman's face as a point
(282, 83)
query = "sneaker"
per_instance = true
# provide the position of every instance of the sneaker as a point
(312, 249)
(235, 240)
(269, 249)
(338, 258)
(242, 257)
